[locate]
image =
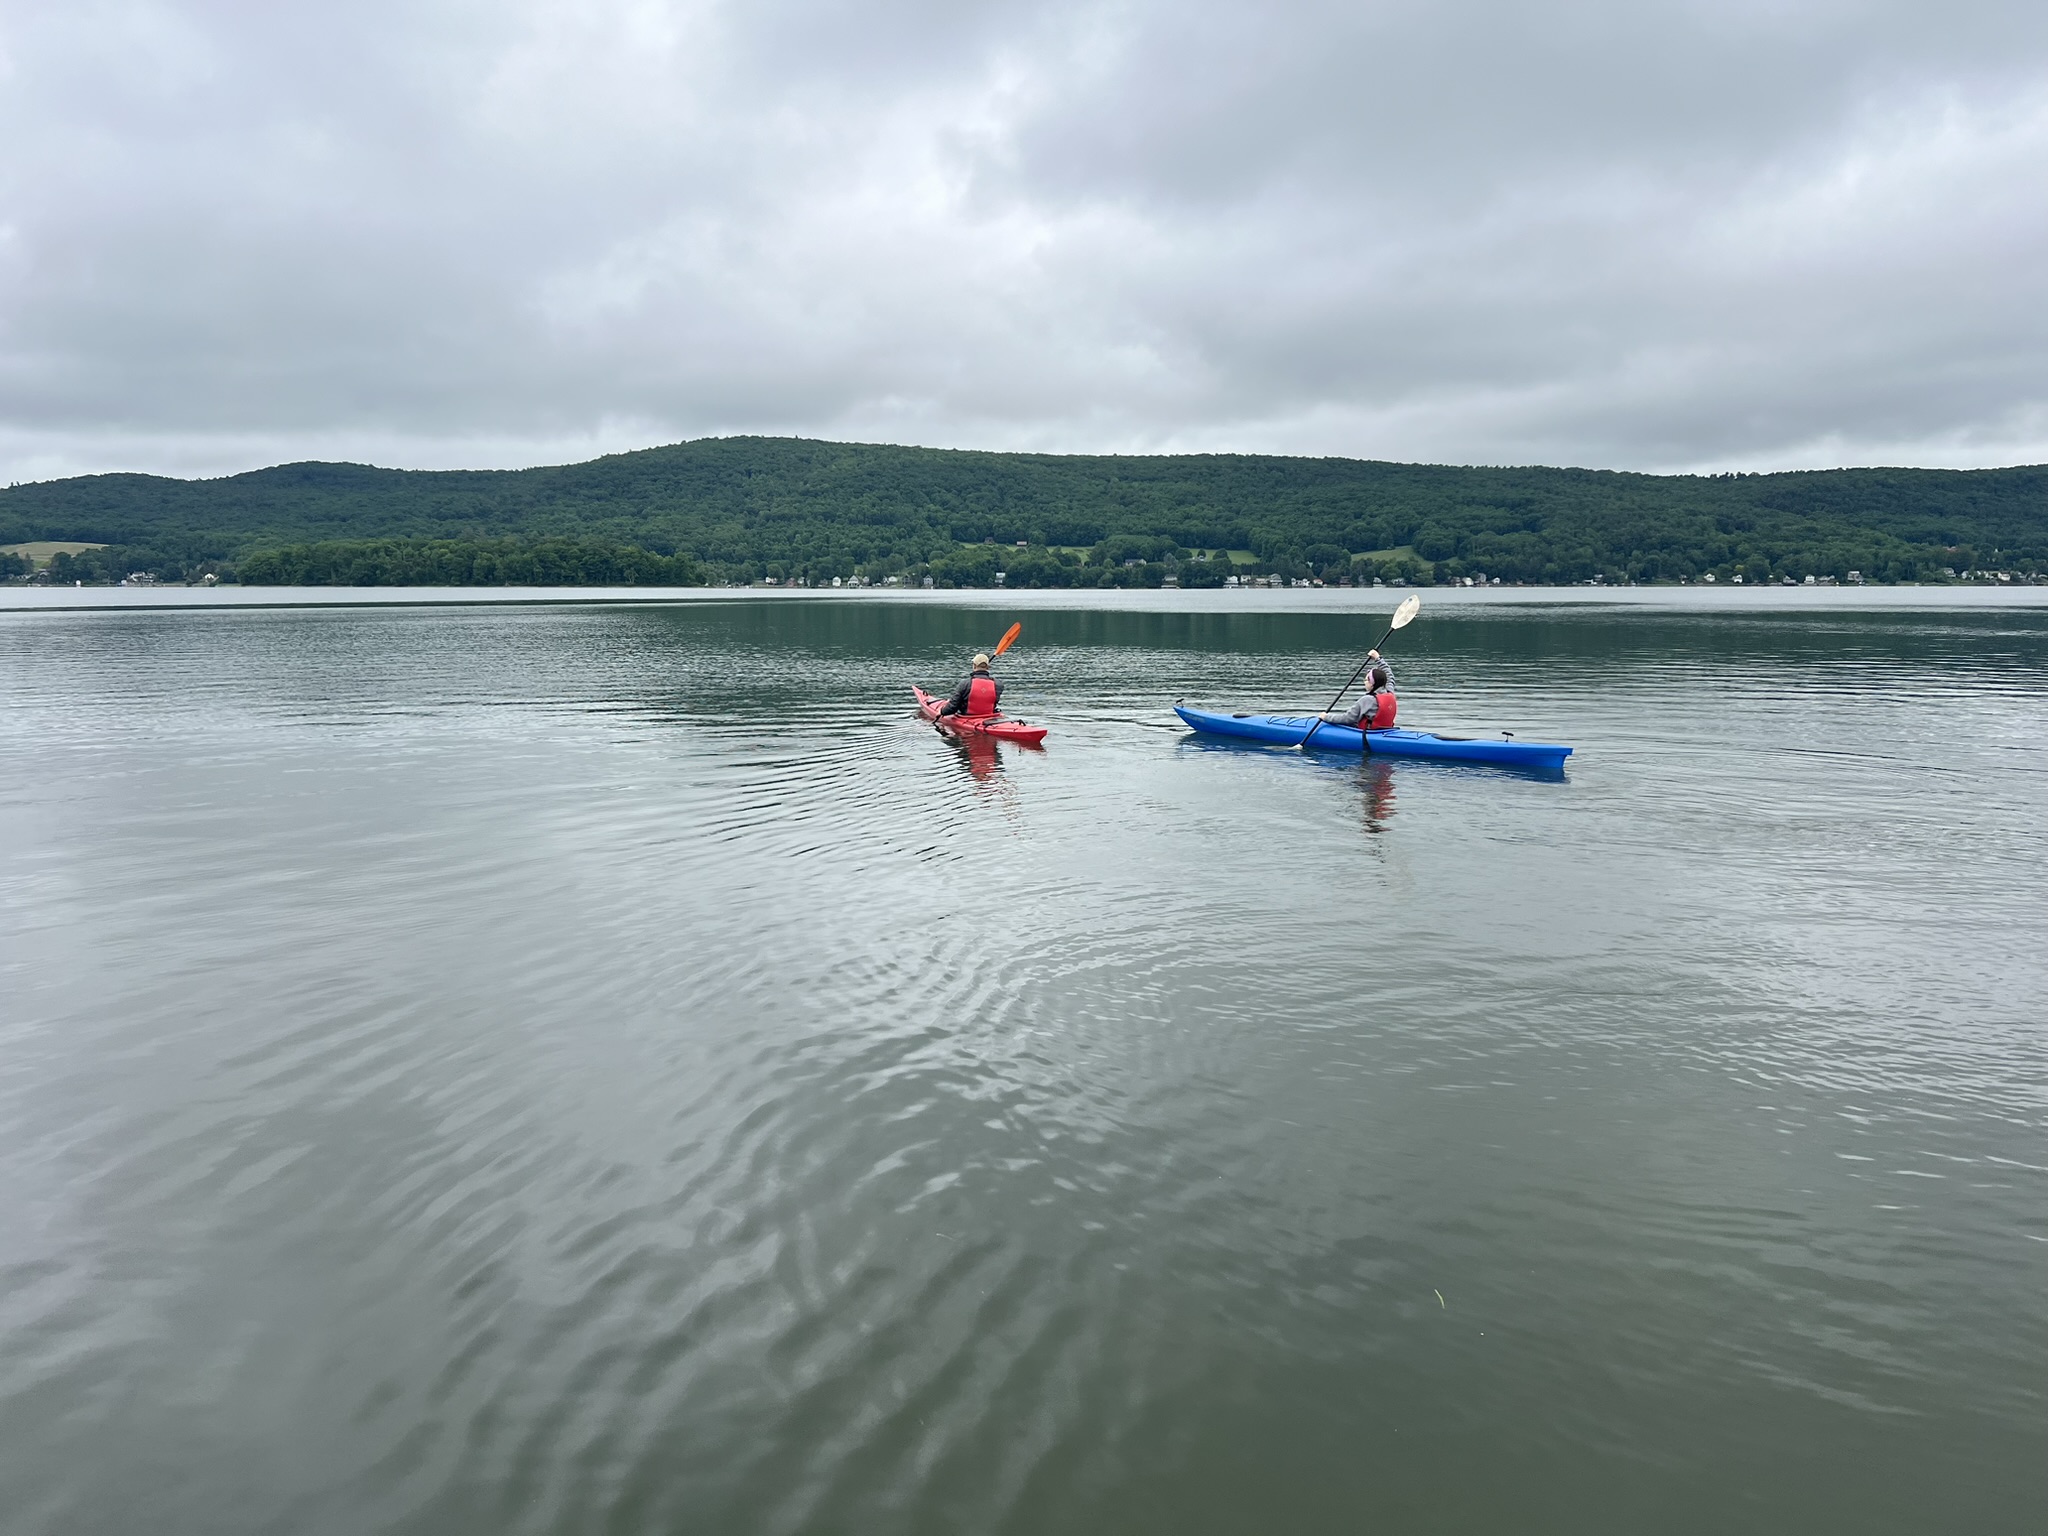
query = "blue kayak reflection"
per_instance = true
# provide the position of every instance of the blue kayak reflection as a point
(1377, 777)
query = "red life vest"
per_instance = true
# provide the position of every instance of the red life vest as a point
(981, 695)
(1383, 715)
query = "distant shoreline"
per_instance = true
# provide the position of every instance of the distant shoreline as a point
(1329, 600)
(748, 509)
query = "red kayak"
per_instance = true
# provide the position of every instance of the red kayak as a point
(993, 727)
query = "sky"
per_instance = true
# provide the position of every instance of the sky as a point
(1730, 234)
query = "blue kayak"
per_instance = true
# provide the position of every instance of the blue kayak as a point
(1287, 731)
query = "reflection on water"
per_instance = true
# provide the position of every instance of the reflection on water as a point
(982, 759)
(1376, 779)
(608, 1069)
(979, 755)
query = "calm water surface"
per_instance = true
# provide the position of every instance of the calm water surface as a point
(612, 1070)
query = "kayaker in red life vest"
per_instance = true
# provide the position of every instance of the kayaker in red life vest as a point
(1376, 706)
(979, 695)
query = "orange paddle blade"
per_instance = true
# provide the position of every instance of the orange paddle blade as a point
(1009, 635)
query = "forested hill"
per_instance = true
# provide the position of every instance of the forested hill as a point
(747, 507)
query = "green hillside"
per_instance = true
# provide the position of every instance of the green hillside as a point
(744, 508)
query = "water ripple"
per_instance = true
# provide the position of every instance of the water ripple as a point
(561, 1070)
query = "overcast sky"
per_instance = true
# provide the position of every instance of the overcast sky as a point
(1725, 234)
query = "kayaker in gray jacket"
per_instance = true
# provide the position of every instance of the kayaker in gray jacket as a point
(1376, 705)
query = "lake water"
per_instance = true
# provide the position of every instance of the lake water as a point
(610, 1069)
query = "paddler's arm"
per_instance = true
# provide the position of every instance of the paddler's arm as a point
(1349, 716)
(958, 702)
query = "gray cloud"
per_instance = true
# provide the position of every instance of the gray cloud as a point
(451, 232)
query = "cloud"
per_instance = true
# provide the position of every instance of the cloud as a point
(450, 232)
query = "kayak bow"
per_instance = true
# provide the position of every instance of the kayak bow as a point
(1288, 730)
(991, 727)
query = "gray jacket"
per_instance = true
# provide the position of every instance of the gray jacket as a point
(1379, 680)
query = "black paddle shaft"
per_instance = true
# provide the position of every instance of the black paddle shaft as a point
(1346, 689)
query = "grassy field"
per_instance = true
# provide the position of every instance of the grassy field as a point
(42, 551)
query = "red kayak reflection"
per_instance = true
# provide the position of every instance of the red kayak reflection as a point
(1376, 776)
(980, 756)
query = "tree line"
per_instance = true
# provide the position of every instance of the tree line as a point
(746, 509)
(543, 562)
(388, 562)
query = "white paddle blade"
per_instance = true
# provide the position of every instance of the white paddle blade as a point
(1410, 606)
